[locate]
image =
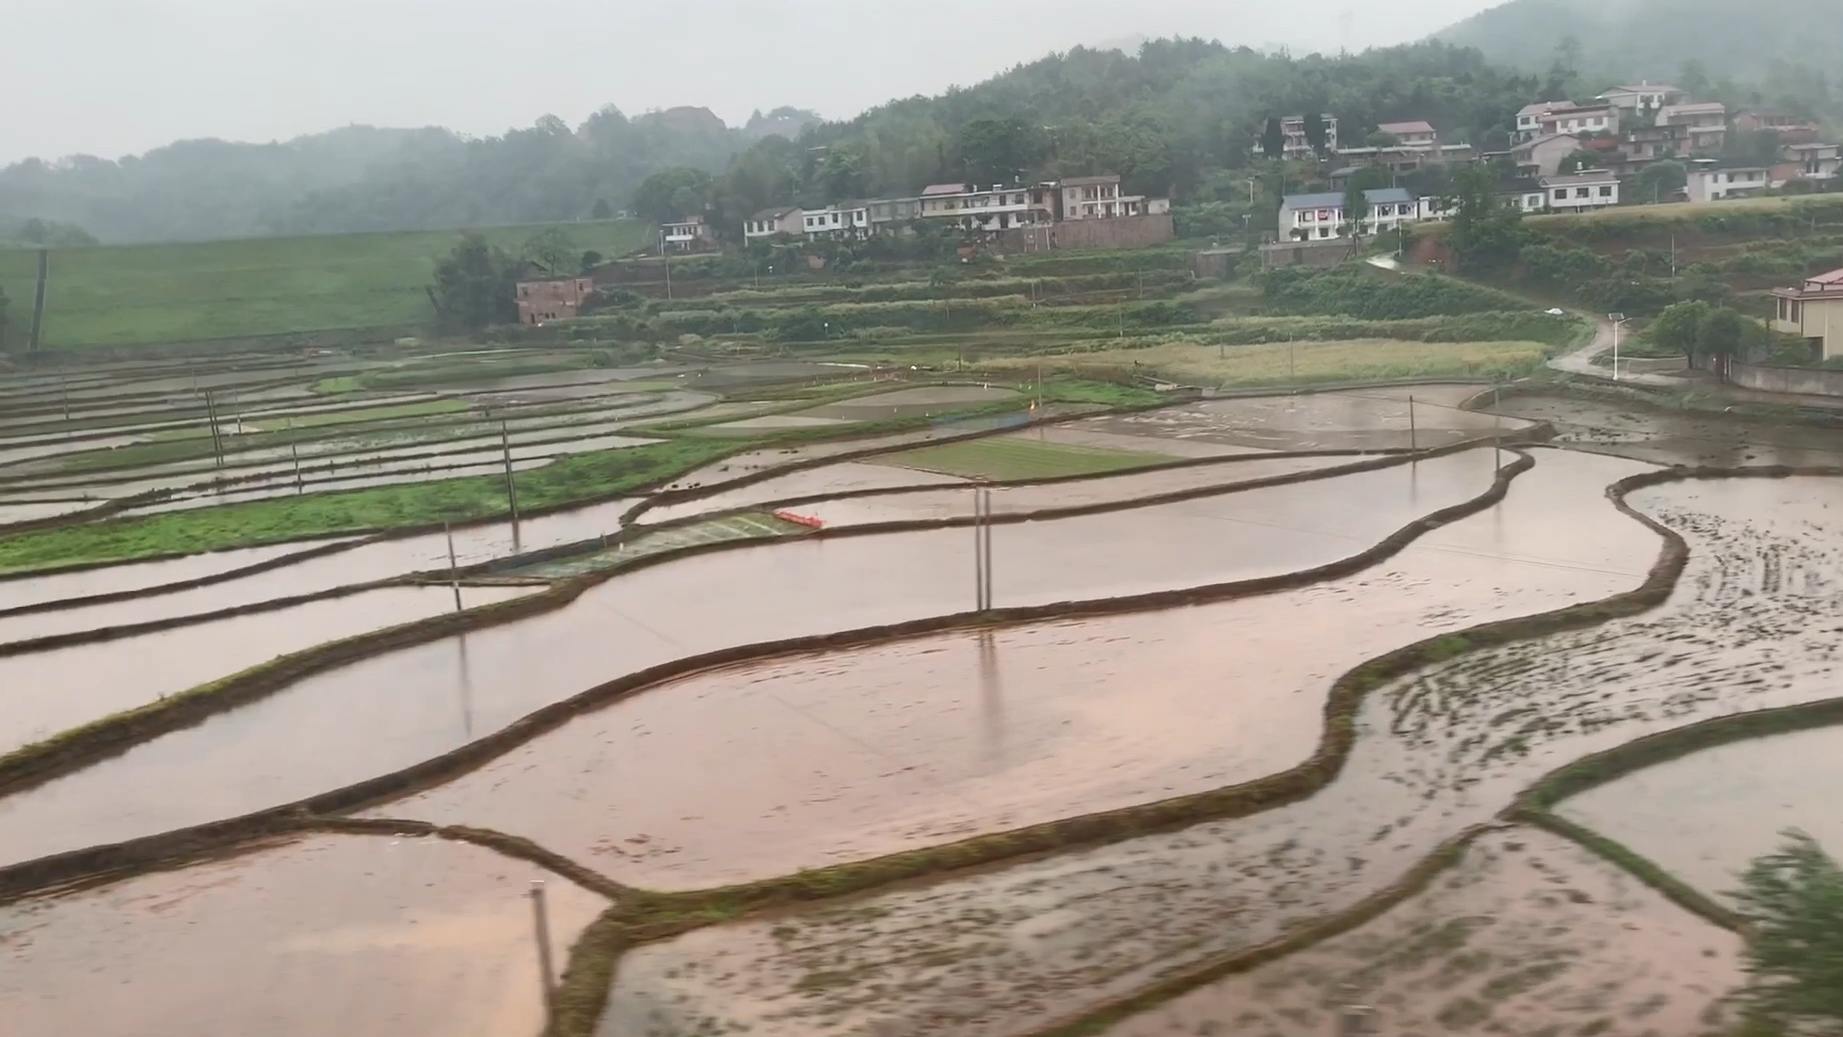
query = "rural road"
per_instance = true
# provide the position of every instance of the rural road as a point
(1580, 362)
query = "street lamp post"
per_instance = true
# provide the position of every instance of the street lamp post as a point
(1250, 181)
(1619, 321)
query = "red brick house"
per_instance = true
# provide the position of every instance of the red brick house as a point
(539, 301)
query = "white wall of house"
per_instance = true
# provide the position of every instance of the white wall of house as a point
(833, 222)
(1569, 195)
(1713, 185)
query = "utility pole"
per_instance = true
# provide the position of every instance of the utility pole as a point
(982, 549)
(541, 920)
(1413, 437)
(1292, 368)
(454, 569)
(294, 452)
(217, 439)
(38, 299)
(505, 443)
(1619, 321)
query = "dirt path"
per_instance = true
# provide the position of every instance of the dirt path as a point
(1581, 361)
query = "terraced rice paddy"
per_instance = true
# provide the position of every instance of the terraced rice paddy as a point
(1145, 757)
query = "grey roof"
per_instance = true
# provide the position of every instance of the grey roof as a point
(938, 189)
(1585, 178)
(1333, 199)
(1084, 181)
(775, 213)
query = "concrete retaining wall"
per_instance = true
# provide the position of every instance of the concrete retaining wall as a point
(1804, 381)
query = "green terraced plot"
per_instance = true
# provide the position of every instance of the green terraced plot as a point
(421, 408)
(1003, 457)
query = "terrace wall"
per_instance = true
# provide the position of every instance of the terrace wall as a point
(1121, 232)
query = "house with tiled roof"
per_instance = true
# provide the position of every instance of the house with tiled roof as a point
(1813, 310)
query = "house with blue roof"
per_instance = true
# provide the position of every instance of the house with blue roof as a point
(1321, 217)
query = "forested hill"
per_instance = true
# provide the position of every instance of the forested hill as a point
(1771, 51)
(1173, 118)
(362, 178)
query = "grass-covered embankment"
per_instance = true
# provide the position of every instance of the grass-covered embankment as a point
(580, 477)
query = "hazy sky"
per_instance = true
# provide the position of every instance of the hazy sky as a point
(133, 74)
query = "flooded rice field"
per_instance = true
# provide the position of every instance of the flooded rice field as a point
(43, 693)
(366, 936)
(1529, 936)
(418, 702)
(1011, 949)
(363, 563)
(924, 402)
(896, 746)
(57, 586)
(1365, 419)
(1678, 436)
(1017, 500)
(1705, 816)
(844, 477)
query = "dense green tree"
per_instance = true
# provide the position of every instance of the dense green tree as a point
(475, 286)
(1273, 138)
(1723, 332)
(1679, 327)
(1317, 132)
(999, 151)
(552, 248)
(602, 210)
(1487, 235)
(1356, 198)
(842, 174)
(590, 260)
(1794, 958)
(1381, 139)
(663, 196)
(1759, 148)
(1658, 182)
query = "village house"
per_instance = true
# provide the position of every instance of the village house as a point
(1317, 217)
(1645, 144)
(1543, 156)
(1712, 181)
(1099, 198)
(850, 220)
(1581, 121)
(889, 213)
(987, 210)
(1704, 126)
(1292, 129)
(1814, 312)
(1524, 195)
(1580, 192)
(553, 299)
(1818, 162)
(1529, 118)
(1417, 134)
(1790, 128)
(1638, 101)
(687, 235)
(781, 220)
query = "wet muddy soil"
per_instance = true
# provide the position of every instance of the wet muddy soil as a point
(1684, 437)
(361, 936)
(383, 714)
(843, 477)
(36, 590)
(1358, 419)
(1529, 936)
(1705, 816)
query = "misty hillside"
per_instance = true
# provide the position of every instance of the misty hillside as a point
(1631, 39)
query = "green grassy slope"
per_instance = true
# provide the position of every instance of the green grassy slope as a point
(144, 294)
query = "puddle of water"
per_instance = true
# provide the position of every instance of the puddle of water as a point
(1529, 936)
(363, 936)
(367, 562)
(1705, 816)
(1679, 437)
(416, 703)
(958, 502)
(42, 693)
(837, 478)
(1011, 949)
(138, 575)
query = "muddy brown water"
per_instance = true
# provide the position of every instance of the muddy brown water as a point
(365, 563)
(361, 936)
(1706, 816)
(35, 590)
(889, 748)
(1529, 936)
(42, 693)
(383, 714)
(843, 477)
(1359, 419)
(1013, 949)
(1678, 436)
(958, 502)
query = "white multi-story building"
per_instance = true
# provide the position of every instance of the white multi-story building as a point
(686, 235)
(1416, 134)
(1529, 117)
(1708, 183)
(1704, 127)
(986, 210)
(1818, 162)
(1318, 217)
(1580, 120)
(1099, 198)
(1580, 192)
(1637, 100)
(785, 219)
(1292, 129)
(849, 220)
